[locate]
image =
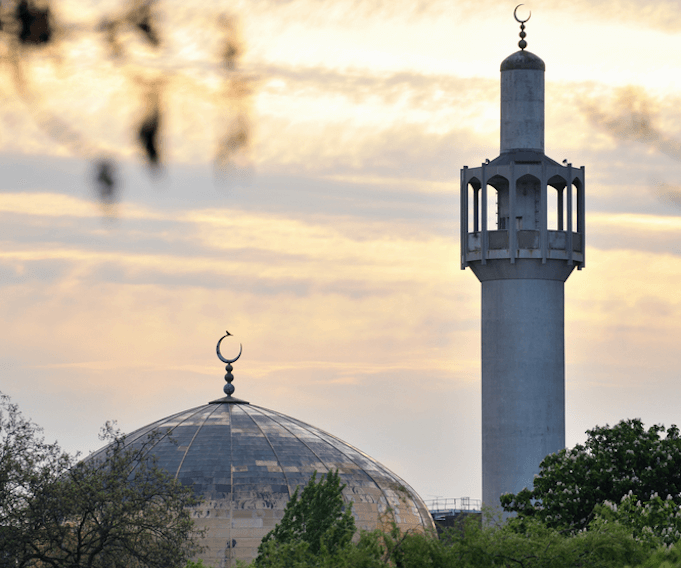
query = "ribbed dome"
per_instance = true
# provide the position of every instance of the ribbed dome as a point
(246, 461)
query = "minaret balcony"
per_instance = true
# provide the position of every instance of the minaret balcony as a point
(523, 205)
(528, 246)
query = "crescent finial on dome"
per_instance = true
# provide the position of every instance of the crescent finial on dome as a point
(229, 387)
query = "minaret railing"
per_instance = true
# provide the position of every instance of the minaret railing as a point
(569, 214)
(512, 223)
(464, 216)
(484, 236)
(543, 216)
(581, 212)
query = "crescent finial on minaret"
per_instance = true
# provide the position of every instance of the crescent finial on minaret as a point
(522, 44)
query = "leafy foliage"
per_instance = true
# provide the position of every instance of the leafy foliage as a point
(28, 465)
(526, 544)
(316, 520)
(613, 462)
(120, 510)
(195, 564)
(529, 543)
(663, 558)
(654, 522)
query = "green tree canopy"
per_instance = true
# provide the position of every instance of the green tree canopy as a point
(316, 519)
(613, 463)
(120, 510)
(28, 464)
(530, 543)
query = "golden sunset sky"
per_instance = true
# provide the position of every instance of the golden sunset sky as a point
(334, 255)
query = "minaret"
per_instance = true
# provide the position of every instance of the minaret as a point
(522, 256)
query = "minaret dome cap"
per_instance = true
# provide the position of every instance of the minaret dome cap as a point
(522, 60)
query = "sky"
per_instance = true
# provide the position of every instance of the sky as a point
(329, 244)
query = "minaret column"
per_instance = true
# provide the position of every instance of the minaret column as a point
(523, 370)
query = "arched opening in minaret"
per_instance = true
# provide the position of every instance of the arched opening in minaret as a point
(564, 205)
(527, 208)
(497, 210)
(574, 189)
(474, 201)
(483, 204)
(578, 213)
(556, 210)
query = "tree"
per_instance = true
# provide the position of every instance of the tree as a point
(614, 462)
(317, 520)
(656, 521)
(530, 543)
(663, 558)
(119, 510)
(28, 465)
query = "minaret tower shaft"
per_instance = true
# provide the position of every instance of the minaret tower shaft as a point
(522, 255)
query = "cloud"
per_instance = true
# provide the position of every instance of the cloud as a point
(658, 15)
(631, 114)
(409, 89)
(669, 193)
(655, 234)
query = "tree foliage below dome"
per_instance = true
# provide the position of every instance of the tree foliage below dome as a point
(120, 510)
(313, 521)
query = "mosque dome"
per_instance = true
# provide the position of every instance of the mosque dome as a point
(246, 461)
